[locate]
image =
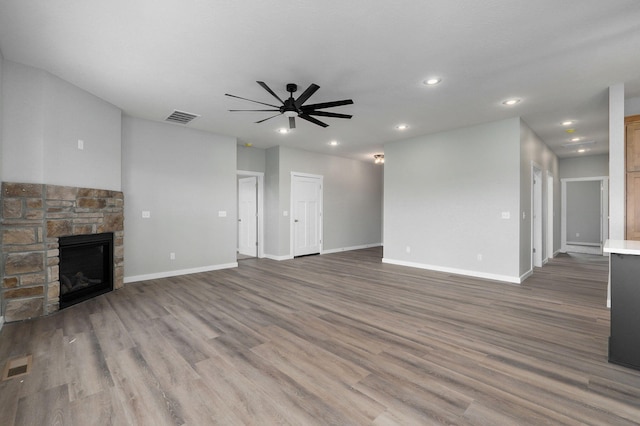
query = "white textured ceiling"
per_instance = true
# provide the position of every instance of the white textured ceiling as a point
(149, 57)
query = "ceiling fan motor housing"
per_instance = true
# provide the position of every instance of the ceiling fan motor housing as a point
(291, 87)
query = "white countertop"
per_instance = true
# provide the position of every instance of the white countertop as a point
(622, 247)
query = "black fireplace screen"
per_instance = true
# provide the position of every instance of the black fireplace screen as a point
(86, 267)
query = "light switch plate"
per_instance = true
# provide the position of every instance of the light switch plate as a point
(222, 213)
(146, 214)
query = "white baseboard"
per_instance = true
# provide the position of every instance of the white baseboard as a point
(338, 250)
(167, 274)
(274, 257)
(476, 274)
(525, 275)
(1, 322)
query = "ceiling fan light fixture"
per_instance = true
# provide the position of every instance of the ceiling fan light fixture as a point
(283, 131)
(290, 113)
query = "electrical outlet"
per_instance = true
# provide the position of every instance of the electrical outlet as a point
(146, 214)
(172, 256)
(80, 144)
(408, 249)
(479, 257)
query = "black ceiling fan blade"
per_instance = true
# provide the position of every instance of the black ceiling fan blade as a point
(306, 95)
(292, 122)
(251, 100)
(306, 108)
(328, 114)
(268, 118)
(313, 120)
(265, 87)
(254, 110)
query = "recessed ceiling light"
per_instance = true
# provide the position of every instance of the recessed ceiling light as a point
(402, 127)
(511, 102)
(567, 123)
(283, 131)
(581, 150)
(575, 139)
(333, 143)
(432, 81)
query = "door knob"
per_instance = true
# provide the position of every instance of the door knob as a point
(295, 220)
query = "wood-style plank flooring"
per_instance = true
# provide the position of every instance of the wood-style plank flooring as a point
(336, 339)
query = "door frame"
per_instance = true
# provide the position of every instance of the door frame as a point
(293, 176)
(550, 217)
(260, 190)
(604, 215)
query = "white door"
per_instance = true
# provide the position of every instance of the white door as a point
(537, 217)
(247, 216)
(307, 214)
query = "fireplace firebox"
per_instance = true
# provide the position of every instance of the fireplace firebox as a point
(86, 267)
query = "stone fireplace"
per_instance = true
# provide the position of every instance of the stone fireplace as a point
(34, 217)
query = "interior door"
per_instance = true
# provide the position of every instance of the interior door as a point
(247, 216)
(307, 215)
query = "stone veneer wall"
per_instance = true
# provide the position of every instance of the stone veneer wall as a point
(33, 217)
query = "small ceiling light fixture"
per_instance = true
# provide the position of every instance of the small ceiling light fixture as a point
(581, 150)
(333, 143)
(378, 158)
(567, 123)
(402, 127)
(432, 81)
(511, 102)
(283, 131)
(575, 139)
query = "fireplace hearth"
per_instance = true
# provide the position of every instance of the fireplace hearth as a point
(86, 265)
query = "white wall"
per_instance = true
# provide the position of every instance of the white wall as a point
(352, 199)
(184, 178)
(444, 196)
(44, 118)
(617, 194)
(535, 152)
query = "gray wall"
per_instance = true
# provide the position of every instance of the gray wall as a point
(534, 151)
(632, 106)
(44, 117)
(580, 167)
(272, 210)
(184, 177)
(352, 199)
(583, 211)
(1, 156)
(444, 196)
(251, 159)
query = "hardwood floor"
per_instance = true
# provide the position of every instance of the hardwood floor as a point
(335, 339)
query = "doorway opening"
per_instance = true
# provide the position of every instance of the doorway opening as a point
(585, 214)
(250, 233)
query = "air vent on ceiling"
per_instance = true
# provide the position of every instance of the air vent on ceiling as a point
(578, 144)
(181, 117)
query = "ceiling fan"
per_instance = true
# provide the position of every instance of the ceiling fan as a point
(293, 108)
